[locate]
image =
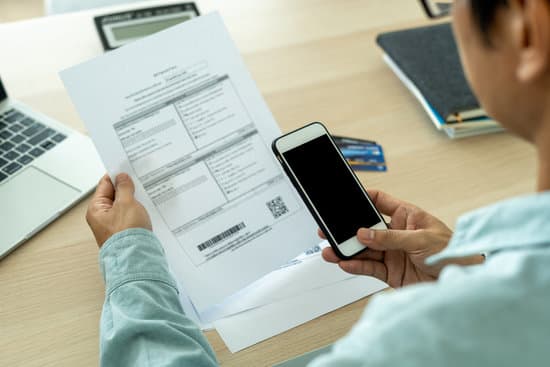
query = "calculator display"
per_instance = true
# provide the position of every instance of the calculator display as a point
(118, 29)
(145, 29)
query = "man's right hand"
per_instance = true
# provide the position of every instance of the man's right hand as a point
(114, 209)
(396, 256)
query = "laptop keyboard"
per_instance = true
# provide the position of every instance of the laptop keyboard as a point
(23, 139)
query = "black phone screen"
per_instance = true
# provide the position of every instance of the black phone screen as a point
(331, 187)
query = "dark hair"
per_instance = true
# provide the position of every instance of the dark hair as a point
(484, 12)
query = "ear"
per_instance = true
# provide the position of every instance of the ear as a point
(532, 39)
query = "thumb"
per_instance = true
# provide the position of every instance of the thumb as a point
(388, 239)
(124, 187)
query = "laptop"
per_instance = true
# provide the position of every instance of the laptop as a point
(45, 168)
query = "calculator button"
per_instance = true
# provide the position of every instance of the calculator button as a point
(2, 177)
(3, 162)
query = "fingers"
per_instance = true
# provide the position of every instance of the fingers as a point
(105, 189)
(100, 205)
(321, 234)
(365, 267)
(399, 218)
(390, 239)
(370, 254)
(386, 203)
(124, 188)
(102, 199)
(330, 256)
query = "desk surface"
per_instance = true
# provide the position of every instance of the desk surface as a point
(312, 60)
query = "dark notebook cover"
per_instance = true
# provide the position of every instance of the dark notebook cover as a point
(428, 56)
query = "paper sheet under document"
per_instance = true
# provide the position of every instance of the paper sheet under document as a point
(181, 114)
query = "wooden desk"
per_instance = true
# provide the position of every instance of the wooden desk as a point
(312, 60)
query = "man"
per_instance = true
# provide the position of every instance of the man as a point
(481, 296)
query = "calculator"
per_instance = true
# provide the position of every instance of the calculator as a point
(119, 29)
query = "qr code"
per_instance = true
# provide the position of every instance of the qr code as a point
(277, 207)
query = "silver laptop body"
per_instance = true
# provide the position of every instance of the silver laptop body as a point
(45, 168)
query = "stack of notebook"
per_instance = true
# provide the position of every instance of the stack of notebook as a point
(426, 60)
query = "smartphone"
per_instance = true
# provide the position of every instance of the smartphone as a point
(328, 187)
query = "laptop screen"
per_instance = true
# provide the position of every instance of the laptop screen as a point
(3, 94)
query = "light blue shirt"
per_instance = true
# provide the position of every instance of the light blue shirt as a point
(493, 314)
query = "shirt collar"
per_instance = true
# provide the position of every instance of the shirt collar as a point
(520, 222)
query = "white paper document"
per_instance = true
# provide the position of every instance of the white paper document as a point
(181, 114)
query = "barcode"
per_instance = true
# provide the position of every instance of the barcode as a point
(227, 233)
(277, 207)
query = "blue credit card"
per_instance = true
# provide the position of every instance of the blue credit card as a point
(369, 167)
(344, 140)
(373, 154)
(362, 155)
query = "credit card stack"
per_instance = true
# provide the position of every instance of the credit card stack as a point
(362, 155)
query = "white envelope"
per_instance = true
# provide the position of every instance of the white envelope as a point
(250, 327)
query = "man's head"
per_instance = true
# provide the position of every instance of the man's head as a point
(505, 49)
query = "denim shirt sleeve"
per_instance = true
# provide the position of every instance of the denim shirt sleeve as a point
(142, 323)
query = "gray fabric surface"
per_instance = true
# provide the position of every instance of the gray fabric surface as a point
(429, 58)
